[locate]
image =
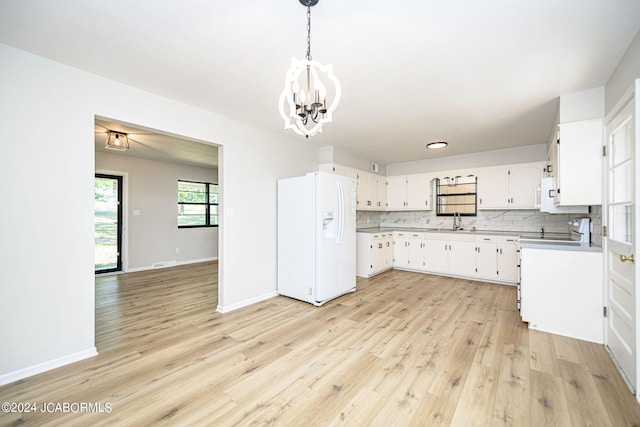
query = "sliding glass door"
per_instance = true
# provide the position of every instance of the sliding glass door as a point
(108, 223)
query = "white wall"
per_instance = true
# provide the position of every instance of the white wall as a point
(340, 156)
(527, 153)
(153, 236)
(622, 79)
(47, 115)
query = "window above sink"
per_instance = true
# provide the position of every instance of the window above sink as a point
(457, 196)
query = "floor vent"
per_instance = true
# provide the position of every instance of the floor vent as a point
(164, 264)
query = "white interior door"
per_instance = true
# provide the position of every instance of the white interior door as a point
(621, 282)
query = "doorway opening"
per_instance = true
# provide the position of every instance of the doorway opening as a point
(108, 223)
(154, 249)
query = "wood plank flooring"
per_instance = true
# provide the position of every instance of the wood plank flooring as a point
(406, 349)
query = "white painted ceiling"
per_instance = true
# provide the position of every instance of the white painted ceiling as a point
(481, 75)
(152, 144)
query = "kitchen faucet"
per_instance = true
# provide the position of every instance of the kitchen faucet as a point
(457, 221)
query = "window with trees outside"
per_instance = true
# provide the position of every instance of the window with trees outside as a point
(197, 204)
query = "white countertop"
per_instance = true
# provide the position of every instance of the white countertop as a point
(527, 239)
(566, 246)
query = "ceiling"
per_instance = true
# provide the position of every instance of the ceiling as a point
(156, 145)
(481, 75)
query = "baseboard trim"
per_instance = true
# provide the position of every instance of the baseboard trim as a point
(151, 267)
(231, 307)
(195, 261)
(47, 366)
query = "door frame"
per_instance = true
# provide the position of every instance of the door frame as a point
(631, 95)
(124, 244)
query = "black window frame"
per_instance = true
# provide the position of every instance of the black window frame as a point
(206, 204)
(442, 197)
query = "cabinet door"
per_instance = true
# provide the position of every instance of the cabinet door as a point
(401, 250)
(387, 252)
(508, 262)
(493, 188)
(551, 167)
(362, 191)
(372, 198)
(382, 193)
(524, 180)
(437, 254)
(419, 191)
(377, 261)
(486, 260)
(378, 192)
(417, 252)
(579, 176)
(364, 254)
(396, 193)
(462, 258)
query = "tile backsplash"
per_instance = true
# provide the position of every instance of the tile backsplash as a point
(507, 220)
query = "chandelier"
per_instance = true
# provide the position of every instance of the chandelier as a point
(303, 101)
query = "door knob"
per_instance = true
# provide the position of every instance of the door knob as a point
(624, 258)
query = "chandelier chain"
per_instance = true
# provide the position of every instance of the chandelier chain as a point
(308, 31)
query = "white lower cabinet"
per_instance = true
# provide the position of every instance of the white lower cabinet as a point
(450, 254)
(490, 258)
(409, 251)
(562, 292)
(374, 253)
(507, 251)
(487, 257)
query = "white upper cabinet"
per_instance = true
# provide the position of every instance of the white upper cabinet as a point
(409, 192)
(371, 188)
(381, 193)
(419, 192)
(577, 148)
(396, 192)
(363, 193)
(524, 180)
(510, 187)
(493, 188)
(371, 194)
(579, 163)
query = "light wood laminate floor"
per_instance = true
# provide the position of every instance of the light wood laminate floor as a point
(405, 349)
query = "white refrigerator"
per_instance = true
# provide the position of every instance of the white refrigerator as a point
(316, 237)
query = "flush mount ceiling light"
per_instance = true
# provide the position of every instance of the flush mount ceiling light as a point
(117, 141)
(303, 101)
(436, 145)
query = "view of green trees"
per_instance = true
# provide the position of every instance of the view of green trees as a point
(193, 204)
(106, 223)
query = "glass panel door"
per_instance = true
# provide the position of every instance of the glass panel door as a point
(108, 223)
(621, 284)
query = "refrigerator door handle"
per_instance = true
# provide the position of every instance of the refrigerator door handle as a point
(340, 212)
